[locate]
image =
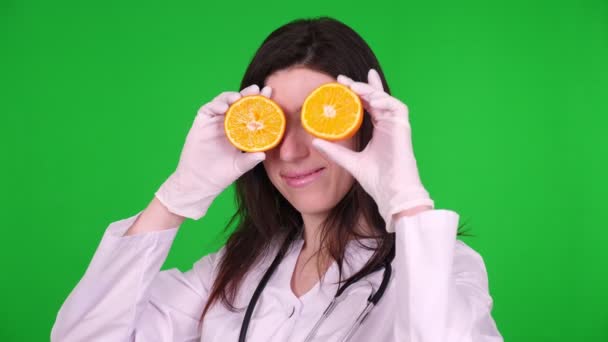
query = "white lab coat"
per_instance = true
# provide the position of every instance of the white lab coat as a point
(438, 292)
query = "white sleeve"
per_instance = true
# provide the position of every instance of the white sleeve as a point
(442, 283)
(123, 295)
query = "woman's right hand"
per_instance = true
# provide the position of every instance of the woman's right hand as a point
(208, 163)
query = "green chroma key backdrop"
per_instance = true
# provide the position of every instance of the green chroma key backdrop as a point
(508, 105)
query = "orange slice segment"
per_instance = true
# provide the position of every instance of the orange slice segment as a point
(332, 112)
(254, 123)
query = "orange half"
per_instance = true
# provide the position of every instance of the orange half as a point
(332, 112)
(254, 123)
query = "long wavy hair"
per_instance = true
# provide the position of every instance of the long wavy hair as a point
(265, 218)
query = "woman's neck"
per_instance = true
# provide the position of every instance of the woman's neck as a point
(313, 227)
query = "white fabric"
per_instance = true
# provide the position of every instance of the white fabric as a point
(438, 292)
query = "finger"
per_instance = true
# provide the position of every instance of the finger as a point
(392, 109)
(387, 103)
(228, 96)
(363, 89)
(246, 161)
(373, 78)
(377, 95)
(251, 90)
(217, 108)
(366, 92)
(266, 91)
(213, 108)
(210, 114)
(347, 81)
(341, 155)
(371, 104)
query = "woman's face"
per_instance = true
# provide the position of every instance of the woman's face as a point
(312, 183)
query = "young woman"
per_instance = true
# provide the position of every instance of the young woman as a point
(335, 241)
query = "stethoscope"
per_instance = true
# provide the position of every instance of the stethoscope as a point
(372, 300)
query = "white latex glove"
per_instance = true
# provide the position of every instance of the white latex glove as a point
(386, 168)
(208, 163)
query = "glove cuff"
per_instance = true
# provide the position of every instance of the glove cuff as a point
(416, 196)
(181, 201)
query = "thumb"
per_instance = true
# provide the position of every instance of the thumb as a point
(246, 161)
(339, 154)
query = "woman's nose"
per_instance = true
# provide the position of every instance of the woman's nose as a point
(295, 144)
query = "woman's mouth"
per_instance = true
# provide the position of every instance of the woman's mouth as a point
(296, 180)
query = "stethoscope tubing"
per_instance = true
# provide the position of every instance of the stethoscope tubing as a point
(372, 300)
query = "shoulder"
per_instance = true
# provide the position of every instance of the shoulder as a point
(204, 271)
(206, 267)
(197, 280)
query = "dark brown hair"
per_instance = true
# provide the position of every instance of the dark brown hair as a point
(265, 217)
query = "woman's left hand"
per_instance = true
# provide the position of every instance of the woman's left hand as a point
(386, 168)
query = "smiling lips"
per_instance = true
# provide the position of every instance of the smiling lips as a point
(300, 179)
(299, 174)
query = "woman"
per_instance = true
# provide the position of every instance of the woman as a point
(313, 216)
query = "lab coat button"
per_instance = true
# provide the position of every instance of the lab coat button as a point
(293, 309)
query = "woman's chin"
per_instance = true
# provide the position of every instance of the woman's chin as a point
(312, 205)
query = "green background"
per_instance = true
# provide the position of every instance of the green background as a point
(507, 103)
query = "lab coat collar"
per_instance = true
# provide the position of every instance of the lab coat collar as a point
(323, 292)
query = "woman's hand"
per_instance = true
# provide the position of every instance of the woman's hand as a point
(208, 163)
(386, 168)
